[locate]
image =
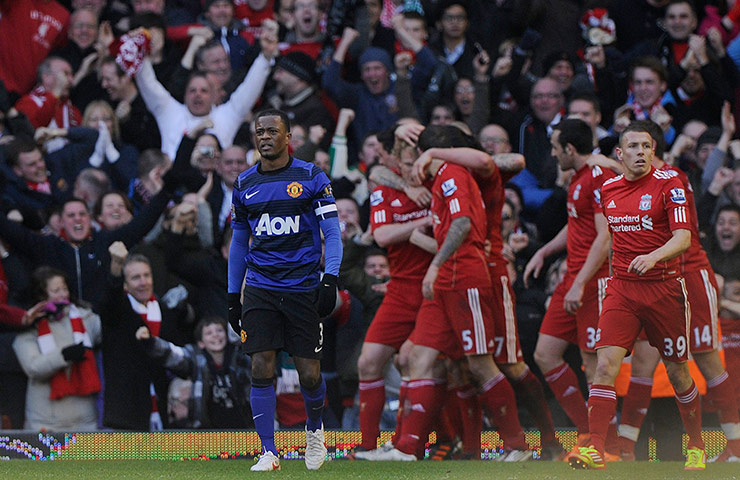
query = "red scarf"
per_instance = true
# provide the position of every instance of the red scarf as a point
(43, 187)
(149, 313)
(81, 378)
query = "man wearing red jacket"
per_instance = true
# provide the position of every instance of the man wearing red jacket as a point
(48, 105)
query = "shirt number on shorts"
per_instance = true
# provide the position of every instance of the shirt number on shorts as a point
(591, 337)
(680, 345)
(467, 341)
(705, 337)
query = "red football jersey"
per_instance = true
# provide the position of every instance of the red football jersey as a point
(454, 195)
(584, 200)
(492, 192)
(695, 258)
(641, 216)
(389, 206)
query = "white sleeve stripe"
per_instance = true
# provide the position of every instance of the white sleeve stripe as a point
(326, 209)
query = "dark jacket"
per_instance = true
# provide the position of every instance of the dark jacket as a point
(193, 363)
(86, 264)
(127, 369)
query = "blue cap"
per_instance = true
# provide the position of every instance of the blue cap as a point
(375, 54)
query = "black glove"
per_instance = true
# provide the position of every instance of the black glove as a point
(74, 353)
(235, 312)
(327, 295)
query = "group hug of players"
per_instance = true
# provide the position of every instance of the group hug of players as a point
(449, 308)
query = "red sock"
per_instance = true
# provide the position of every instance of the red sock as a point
(564, 384)
(400, 413)
(634, 408)
(689, 404)
(498, 396)
(470, 411)
(450, 420)
(438, 422)
(602, 406)
(529, 392)
(721, 394)
(452, 412)
(372, 400)
(418, 415)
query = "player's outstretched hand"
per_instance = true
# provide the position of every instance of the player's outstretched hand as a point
(327, 295)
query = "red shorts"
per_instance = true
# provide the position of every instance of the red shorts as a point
(395, 319)
(579, 329)
(731, 345)
(457, 323)
(507, 348)
(702, 292)
(659, 306)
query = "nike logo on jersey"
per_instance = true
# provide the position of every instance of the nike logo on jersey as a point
(247, 196)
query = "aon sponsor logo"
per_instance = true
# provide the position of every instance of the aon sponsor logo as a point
(277, 225)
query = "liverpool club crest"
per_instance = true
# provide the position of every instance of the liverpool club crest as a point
(645, 203)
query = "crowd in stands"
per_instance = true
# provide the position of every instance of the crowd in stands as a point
(124, 124)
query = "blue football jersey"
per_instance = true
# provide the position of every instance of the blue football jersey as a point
(282, 210)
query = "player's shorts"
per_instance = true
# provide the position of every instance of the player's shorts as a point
(579, 329)
(280, 320)
(457, 323)
(507, 348)
(702, 288)
(660, 306)
(395, 319)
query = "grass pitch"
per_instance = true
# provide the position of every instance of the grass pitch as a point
(345, 469)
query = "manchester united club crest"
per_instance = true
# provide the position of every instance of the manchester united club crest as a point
(295, 189)
(645, 202)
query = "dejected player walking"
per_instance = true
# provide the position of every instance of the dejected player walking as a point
(282, 205)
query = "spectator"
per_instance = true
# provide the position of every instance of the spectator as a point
(230, 164)
(58, 359)
(218, 371)
(116, 158)
(42, 25)
(138, 126)
(374, 99)
(537, 180)
(173, 118)
(723, 247)
(306, 35)
(135, 386)
(453, 43)
(90, 185)
(153, 165)
(48, 105)
(113, 210)
(494, 139)
(29, 186)
(81, 252)
(296, 93)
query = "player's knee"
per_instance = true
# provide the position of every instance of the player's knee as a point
(607, 370)
(310, 381)
(367, 366)
(262, 366)
(679, 376)
(545, 359)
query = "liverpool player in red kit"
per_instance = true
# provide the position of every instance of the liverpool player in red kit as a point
(458, 320)
(394, 217)
(650, 225)
(573, 314)
(702, 290)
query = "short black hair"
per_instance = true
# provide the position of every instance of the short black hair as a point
(730, 207)
(441, 136)
(651, 63)
(206, 321)
(148, 20)
(586, 97)
(576, 132)
(274, 112)
(387, 138)
(656, 132)
(638, 126)
(21, 144)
